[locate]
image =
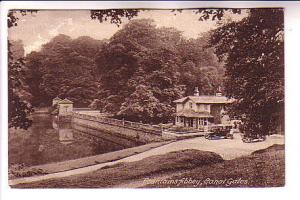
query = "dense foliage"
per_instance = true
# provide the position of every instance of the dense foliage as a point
(143, 69)
(19, 106)
(135, 75)
(253, 51)
(65, 68)
(114, 15)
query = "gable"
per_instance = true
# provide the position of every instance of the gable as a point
(184, 100)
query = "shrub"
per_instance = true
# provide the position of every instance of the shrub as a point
(20, 170)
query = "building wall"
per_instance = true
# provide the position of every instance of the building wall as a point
(196, 107)
(55, 102)
(203, 107)
(187, 105)
(65, 109)
(179, 107)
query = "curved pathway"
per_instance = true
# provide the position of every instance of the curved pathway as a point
(228, 149)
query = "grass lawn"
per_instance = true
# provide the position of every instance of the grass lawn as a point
(261, 169)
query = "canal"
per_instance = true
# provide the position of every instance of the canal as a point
(45, 143)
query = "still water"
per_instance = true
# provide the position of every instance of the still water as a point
(45, 142)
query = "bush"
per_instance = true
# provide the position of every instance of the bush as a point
(20, 170)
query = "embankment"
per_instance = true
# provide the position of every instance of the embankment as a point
(120, 131)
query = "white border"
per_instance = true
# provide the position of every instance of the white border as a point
(292, 43)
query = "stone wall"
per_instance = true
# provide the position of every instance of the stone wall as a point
(119, 129)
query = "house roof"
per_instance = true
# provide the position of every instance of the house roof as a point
(57, 98)
(192, 113)
(209, 99)
(65, 101)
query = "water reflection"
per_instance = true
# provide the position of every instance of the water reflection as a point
(65, 136)
(54, 123)
(65, 133)
(48, 141)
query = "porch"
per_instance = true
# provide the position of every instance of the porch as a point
(194, 120)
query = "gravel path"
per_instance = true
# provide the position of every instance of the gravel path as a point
(228, 149)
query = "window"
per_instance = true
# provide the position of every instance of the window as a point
(191, 105)
(203, 121)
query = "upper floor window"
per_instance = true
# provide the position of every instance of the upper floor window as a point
(191, 105)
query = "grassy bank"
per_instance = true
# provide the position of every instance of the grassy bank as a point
(126, 172)
(262, 168)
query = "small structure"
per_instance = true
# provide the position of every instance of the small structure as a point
(200, 111)
(56, 100)
(65, 107)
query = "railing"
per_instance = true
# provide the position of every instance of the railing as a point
(82, 109)
(141, 126)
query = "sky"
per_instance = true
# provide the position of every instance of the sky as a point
(39, 28)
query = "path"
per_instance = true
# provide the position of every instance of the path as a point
(228, 149)
(97, 159)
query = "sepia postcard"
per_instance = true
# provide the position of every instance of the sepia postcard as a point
(146, 98)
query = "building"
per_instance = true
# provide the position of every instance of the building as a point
(56, 100)
(200, 111)
(65, 107)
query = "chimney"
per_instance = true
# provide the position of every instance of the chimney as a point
(219, 93)
(196, 91)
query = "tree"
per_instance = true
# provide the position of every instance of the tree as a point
(114, 15)
(254, 62)
(142, 105)
(18, 107)
(252, 53)
(66, 68)
(159, 59)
